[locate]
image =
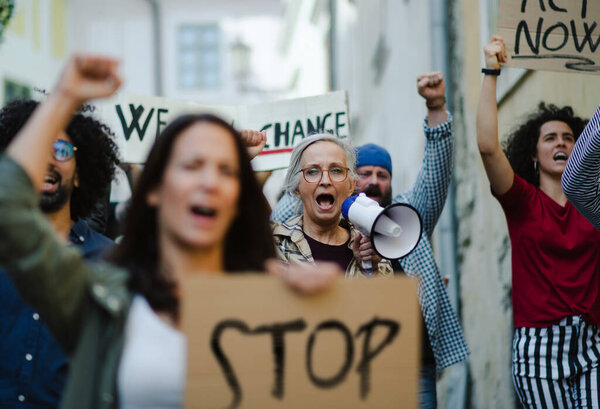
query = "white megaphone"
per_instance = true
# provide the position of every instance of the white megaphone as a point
(394, 230)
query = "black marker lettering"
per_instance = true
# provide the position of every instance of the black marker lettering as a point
(298, 130)
(215, 344)
(523, 27)
(338, 123)
(310, 127)
(583, 8)
(579, 63)
(349, 355)
(264, 128)
(368, 354)
(542, 7)
(555, 7)
(321, 125)
(136, 114)
(548, 32)
(586, 38)
(159, 121)
(277, 332)
(285, 133)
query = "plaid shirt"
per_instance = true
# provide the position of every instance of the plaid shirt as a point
(580, 180)
(428, 196)
(290, 243)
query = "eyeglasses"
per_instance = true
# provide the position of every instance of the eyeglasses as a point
(315, 173)
(63, 151)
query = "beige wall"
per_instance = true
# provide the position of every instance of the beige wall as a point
(580, 91)
(483, 244)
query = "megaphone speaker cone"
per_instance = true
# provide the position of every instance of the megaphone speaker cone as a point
(394, 247)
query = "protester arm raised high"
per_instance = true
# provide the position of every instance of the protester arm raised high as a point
(428, 193)
(496, 164)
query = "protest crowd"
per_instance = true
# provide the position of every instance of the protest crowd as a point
(103, 315)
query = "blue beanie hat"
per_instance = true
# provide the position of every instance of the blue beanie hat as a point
(373, 155)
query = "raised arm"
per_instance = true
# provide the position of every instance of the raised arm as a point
(430, 189)
(255, 141)
(49, 275)
(432, 88)
(581, 178)
(82, 79)
(498, 169)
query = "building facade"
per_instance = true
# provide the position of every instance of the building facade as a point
(484, 254)
(33, 48)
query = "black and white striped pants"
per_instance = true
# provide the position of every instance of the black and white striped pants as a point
(557, 366)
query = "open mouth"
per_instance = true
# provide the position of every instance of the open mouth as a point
(560, 157)
(325, 201)
(204, 211)
(51, 182)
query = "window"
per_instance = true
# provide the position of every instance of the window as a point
(14, 90)
(199, 56)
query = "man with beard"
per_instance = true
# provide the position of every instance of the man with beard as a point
(33, 367)
(374, 170)
(443, 340)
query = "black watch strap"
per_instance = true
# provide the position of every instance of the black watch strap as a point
(489, 71)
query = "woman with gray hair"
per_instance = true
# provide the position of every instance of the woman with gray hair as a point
(322, 176)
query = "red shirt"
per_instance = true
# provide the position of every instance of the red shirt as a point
(555, 258)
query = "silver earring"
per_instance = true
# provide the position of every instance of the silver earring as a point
(535, 167)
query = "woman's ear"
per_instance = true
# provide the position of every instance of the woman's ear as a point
(297, 193)
(153, 198)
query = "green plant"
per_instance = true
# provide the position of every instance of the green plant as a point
(6, 11)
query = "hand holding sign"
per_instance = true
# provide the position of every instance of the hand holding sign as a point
(306, 278)
(88, 77)
(495, 53)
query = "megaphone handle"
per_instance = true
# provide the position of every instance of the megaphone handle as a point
(367, 267)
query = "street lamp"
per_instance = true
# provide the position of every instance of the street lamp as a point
(240, 62)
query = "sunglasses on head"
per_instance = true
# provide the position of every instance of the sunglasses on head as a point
(63, 151)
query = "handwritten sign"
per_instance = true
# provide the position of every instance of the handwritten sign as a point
(555, 35)
(253, 343)
(137, 120)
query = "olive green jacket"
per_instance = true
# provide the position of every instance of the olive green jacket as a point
(85, 306)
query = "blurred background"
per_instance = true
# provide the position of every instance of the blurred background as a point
(248, 51)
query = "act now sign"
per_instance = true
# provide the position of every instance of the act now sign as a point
(137, 120)
(556, 35)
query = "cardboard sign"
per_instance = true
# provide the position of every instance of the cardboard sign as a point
(253, 343)
(556, 35)
(137, 120)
